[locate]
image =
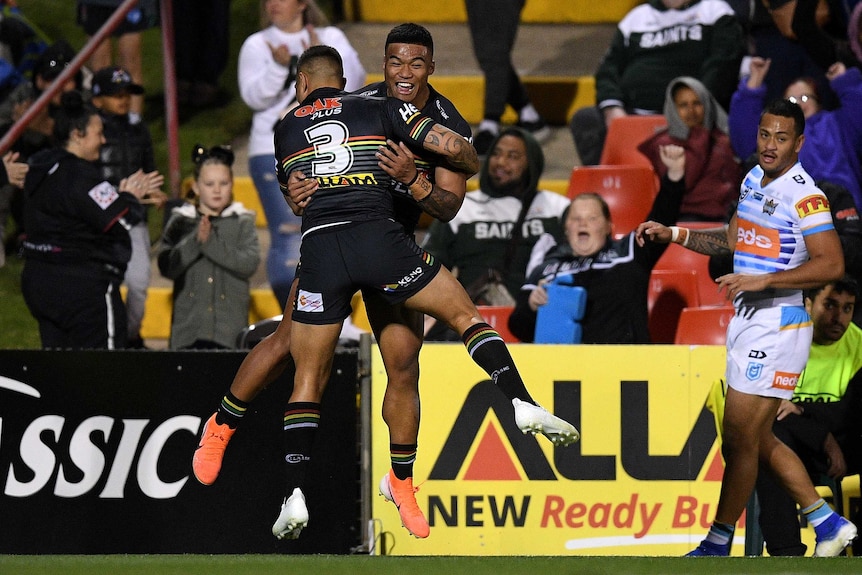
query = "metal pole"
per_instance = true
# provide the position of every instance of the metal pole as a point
(76, 64)
(365, 439)
(172, 121)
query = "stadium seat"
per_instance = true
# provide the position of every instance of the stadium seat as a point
(497, 316)
(624, 136)
(628, 190)
(677, 257)
(706, 325)
(669, 292)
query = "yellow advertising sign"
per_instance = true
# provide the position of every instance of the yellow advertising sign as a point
(643, 480)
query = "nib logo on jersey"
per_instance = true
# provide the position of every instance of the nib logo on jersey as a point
(72, 456)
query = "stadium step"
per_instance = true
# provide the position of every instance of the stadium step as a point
(535, 11)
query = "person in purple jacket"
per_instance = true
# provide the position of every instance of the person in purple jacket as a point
(833, 138)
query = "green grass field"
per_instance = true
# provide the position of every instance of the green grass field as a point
(365, 565)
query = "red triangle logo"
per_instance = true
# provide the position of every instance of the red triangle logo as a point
(716, 468)
(491, 462)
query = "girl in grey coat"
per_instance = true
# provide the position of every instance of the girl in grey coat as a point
(210, 250)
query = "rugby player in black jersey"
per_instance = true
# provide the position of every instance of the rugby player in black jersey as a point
(350, 241)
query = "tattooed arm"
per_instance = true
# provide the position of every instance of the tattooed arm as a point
(441, 199)
(712, 242)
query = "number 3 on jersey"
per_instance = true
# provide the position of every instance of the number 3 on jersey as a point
(332, 155)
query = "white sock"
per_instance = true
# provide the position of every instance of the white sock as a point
(529, 114)
(489, 126)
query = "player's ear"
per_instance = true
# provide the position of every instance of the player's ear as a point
(343, 82)
(431, 67)
(301, 86)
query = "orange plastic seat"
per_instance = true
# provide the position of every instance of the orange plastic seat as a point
(706, 325)
(624, 136)
(497, 316)
(628, 190)
(669, 292)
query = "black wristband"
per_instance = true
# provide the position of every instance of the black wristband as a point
(413, 181)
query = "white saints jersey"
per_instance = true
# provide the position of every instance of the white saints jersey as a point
(774, 220)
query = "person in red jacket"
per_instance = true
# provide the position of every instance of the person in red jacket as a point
(698, 123)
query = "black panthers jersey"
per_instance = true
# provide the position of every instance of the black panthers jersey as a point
(334, 136)
(442, 111)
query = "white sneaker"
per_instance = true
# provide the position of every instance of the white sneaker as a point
(841, 533)
(536, 419)
(293, 517)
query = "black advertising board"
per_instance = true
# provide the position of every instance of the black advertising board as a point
(96, 449)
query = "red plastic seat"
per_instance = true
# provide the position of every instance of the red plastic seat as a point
(677, 257)
(628, 190)
(497, 316)
(669, 292)
(624, 136)
(705, 325)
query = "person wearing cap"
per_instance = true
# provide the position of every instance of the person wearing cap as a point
(126, 39)
(50, 64)
(128, 147)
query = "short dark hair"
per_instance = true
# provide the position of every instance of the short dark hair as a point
(320, 52)
(410, 33)
(786, 109)
(73, 115)
(846, 285)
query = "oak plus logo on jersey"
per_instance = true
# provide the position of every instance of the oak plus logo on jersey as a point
(757, 240)
(79, 456)
(320, 108)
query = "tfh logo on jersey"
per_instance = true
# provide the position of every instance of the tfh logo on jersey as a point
(320, 108)
(813, 204)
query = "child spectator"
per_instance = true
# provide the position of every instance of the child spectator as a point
(210, 250)
(92, 15)
(128, 147)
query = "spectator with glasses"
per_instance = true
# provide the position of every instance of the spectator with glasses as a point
(833, 138)
(210, 250)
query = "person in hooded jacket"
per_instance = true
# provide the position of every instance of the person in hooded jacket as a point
(698, 123)
(77, 241)
(499, 223)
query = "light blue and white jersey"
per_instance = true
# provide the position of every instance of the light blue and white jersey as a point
(774, 220)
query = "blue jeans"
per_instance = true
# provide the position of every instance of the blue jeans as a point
(284, 227)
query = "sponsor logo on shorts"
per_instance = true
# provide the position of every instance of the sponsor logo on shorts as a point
(784, 380)
(295, 458)
(812, 204)
(405, 281)
(756, 354)
(753, 371)
(309, 301)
